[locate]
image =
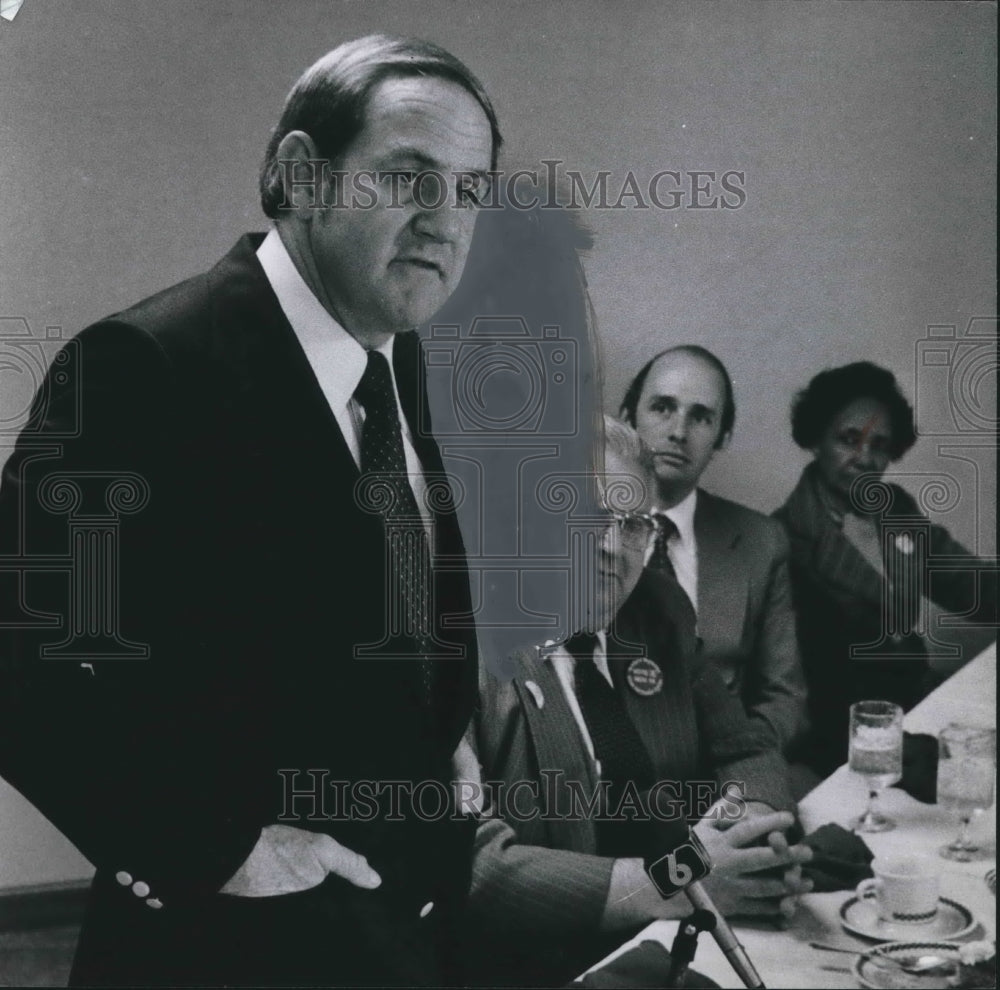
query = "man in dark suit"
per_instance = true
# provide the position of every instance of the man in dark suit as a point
(253, 648)
(558, 879)
(732, 562)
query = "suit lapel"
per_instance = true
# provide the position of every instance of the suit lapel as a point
(451, 584)
(558, 746)
(723, 591)
(302, 455)
(270, 370)
(843, 566)
(661, 721)
(834, 558)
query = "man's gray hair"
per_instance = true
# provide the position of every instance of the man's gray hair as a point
(626, 443)
(627, 494)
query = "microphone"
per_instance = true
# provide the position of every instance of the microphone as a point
(683, 869)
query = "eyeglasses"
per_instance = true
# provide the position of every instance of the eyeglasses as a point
(634, 528)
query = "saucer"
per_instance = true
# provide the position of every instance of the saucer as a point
(860, 916)
(886, 976)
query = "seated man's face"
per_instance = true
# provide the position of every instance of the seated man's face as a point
(621, 551)
(678, 415)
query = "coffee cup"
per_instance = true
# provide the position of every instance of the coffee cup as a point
(905, 889)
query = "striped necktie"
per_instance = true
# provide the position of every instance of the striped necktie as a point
(682, 607)
(617, 745)
(409, 560)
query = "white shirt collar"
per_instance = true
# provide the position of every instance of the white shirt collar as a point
(337, 359)
(559, 652)
(682, 516)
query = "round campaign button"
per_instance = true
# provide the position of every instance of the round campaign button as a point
(644, 677)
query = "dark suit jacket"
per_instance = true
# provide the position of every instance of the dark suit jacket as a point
(840, 606)
(248, 576)
(745, 618)
(539, 889)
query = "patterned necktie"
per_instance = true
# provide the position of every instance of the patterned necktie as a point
(409, 561)
(617, 745)
(681, 606)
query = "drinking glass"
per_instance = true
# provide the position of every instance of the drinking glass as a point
(876, 754)
(967, 759)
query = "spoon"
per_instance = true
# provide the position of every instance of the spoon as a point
(919, 964)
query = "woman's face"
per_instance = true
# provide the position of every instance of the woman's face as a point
(857, 441)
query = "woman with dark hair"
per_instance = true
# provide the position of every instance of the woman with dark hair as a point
(859, 557)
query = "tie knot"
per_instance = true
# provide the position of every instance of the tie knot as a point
(666, 528)
(580, 646)
(375, 387)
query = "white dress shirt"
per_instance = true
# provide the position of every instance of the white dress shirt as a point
(682, 548)
(338, 361)
(565, 665)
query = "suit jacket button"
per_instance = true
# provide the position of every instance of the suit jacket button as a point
(125, 879)
(426, 909)
(140, 889)
(154, 902)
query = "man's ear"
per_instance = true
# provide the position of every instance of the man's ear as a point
(723, 442)
(302, 173)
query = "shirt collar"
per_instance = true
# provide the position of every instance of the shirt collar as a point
(327, 345)
(682, 516)
(552, 649)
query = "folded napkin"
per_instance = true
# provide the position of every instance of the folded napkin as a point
(840, 859)
(646, 965)
(920, 760)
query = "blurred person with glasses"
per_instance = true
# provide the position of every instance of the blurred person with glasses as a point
(594, 739)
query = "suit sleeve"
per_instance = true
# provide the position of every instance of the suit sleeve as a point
(970, 589)
(533, 889)
(774, 691)
(520, 887)
(736, 746)
(103, 748)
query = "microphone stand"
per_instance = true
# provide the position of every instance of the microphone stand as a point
(685, 944)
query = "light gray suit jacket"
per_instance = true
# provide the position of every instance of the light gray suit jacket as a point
(746, 621)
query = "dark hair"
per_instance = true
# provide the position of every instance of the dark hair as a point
(630, 402)
(836, 388)
(330, 99)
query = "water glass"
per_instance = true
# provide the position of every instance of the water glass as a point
(876, 755)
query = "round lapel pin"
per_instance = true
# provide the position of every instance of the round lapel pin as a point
(644, 677)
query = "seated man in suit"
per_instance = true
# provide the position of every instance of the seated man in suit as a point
(732, 562)
(568, 744)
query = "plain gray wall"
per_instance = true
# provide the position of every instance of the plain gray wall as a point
(131, 131)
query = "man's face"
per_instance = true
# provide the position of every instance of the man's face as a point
(390, 266)
(857, 441)
(621, 551)
(678, 416)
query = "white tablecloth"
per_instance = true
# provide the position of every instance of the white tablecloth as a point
(784, 958)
